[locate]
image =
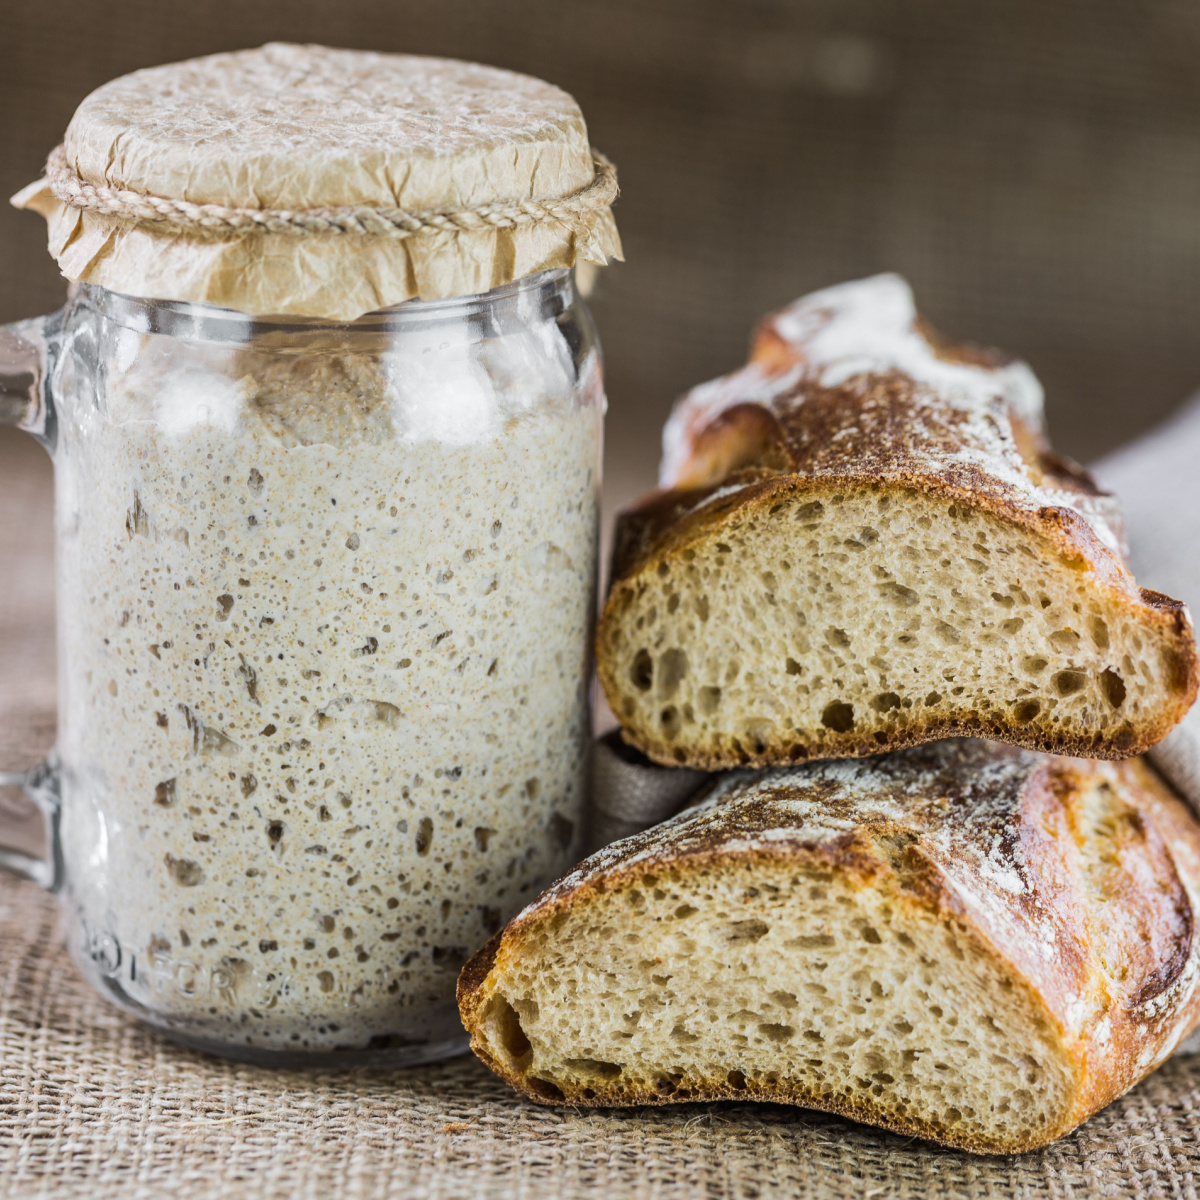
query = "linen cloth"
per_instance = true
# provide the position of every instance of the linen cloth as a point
(1158, 480)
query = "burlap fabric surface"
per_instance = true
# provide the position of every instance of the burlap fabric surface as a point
(94, 1105)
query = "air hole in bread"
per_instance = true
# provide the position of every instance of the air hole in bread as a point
(642, 671)
(594, 1067)
(747, 931)
(838, 716)
(777, 1033)
(546, 1089)
(759, 734)
(505, 1027)
(1067, 683)
(424, 836)
(813, 941)
(672, 667)
(1113, 687)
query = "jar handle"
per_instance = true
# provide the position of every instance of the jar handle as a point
(26, 350)
(41, 785)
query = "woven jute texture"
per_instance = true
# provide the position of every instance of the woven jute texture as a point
(94, 1105)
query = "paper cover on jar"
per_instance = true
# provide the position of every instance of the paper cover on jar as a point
(322, 182)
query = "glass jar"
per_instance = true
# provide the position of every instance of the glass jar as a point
(324, 602)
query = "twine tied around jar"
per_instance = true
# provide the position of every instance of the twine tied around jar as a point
(218, 220)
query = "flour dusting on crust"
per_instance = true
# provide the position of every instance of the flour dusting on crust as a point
(871, 327)
(856, 384)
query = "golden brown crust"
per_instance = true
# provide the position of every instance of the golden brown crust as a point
(1079, 878)
(886, 431)
(774, 432)
(474, 973)
(469, 993)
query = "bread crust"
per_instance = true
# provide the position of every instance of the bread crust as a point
(775, 432)
(982, 817)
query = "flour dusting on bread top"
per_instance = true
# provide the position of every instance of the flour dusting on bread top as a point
(970, 415)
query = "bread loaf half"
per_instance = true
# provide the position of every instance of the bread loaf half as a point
(965, 942)
(863, 542)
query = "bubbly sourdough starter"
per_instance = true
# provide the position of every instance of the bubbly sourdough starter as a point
(324, 634)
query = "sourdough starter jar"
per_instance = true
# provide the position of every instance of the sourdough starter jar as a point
(325, 592)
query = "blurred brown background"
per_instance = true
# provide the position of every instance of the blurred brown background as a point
(1033, 167)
